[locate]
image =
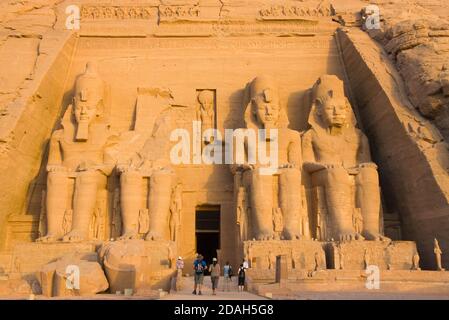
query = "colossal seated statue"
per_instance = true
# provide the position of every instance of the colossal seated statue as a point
(337, 156)
(263, 111)
(151, 163)
(80, 151)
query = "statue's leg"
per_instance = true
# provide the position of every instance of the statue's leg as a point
(172, 231)
(340, 203)
(262, 205)
(368, 195)
(56, 204)
(159, 204)
(130, 203)
(290, 203)
(247, 231)
(86, 186)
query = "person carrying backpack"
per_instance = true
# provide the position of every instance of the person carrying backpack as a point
(199, 265)
(241, 278)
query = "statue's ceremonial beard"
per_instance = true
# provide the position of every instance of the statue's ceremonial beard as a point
(335, 129)
(82, 131)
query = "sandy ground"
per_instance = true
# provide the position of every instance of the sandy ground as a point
(187, 287)
(233, 294)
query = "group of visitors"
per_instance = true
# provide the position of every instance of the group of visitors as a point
(200, 266)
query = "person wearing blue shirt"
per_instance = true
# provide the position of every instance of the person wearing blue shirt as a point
(199, 265)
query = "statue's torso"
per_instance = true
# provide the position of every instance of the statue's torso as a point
(207, 118)
(90, 152)
(287, 140)
(341, 149)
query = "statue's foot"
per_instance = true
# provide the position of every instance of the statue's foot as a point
(130, 235)
(375, 236)
(153, 236)
(265, 235)
(74, 236)
(350, 236)
(292, 235)
(48, 238)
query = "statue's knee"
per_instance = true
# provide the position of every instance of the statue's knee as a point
(290, 174)
(56, 178)
(130, 178)
(337, 175)
(88, 178)
(368, 175)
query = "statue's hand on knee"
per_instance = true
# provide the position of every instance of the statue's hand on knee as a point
(371, 165)
(332, 166)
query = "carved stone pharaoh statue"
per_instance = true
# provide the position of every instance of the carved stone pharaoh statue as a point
(205, 111)
(242, 213)
(152, 163)
(337, 156)
(438, 253)
(80, 152)
(175, 212)
(263, 111)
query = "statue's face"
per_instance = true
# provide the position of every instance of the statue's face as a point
(333, 112)
(267, 113)
(86, 102)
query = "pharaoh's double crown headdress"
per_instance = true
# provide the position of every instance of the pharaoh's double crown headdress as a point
(266, 88)
(328, 86)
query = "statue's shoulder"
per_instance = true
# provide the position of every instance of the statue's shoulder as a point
(292, 133)
(308, 134)
(360, 134)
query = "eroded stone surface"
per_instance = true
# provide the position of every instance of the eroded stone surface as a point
(157, 66)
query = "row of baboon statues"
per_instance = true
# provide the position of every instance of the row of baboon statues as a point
(332, 152)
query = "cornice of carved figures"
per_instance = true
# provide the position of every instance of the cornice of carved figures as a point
(116, 12)
(179, 12)
(96, 12)
(286, 12)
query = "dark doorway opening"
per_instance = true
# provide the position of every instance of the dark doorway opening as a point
(207, 229)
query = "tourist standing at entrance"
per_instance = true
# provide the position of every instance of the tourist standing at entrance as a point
(241, 277)
(227, 273)
(199, 265)
(214, 270)
(179, 264)
(179, 267)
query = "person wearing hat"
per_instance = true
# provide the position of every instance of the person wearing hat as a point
(199, 265)
(214, 270)
(179, 264)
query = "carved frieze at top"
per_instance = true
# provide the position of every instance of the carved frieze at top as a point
(276, 12)
(179, 12)
(95, 12)
(189, 12)
(99, 12)
(173, 20)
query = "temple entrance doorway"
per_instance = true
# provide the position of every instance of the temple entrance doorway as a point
(207, 230)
